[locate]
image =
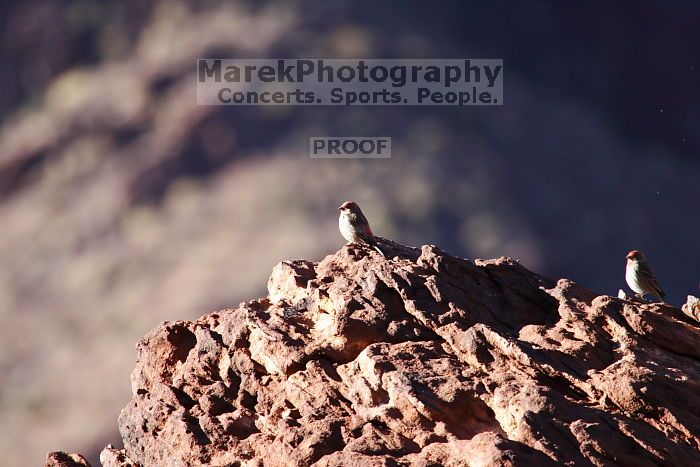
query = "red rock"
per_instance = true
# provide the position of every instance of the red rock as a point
(65, 459)
(422, 359)
(111, 457)
(692, 307)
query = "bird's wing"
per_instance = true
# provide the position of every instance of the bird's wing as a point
(364, 224)
(368, 239)
(648, 278)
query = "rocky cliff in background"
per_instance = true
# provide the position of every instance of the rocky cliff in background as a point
(422, 359)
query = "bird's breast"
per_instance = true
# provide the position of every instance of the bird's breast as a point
(346, 229)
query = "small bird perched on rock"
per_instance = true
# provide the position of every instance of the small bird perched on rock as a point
(640, 278)
(354, 227)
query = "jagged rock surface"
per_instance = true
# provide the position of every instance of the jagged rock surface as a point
(423, 359)
(692, 307)
(65, 459)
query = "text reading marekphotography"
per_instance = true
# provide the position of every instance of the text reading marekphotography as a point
(349, 82)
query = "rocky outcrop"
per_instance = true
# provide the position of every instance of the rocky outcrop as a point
(65, 459)
(421, 359)
(692, 307)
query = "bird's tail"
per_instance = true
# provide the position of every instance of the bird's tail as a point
(369, 239)
(379, 250)
(660, 293)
